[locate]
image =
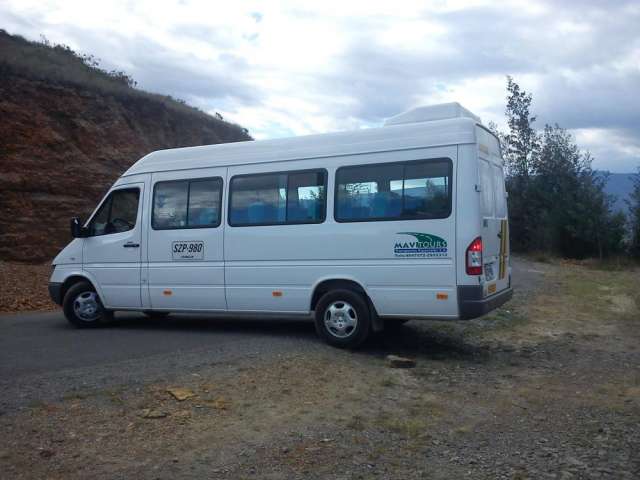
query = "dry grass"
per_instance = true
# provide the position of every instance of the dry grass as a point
(577, 300)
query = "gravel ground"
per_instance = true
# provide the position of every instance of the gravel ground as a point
(546, 387)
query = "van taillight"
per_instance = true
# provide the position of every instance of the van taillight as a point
(474, 257)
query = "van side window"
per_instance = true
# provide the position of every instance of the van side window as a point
(117, 214)
(278, 198)
(187, 204)
(306, 197)
(205, 202)
(394, 191)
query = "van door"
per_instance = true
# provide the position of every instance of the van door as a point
(185, 251)
(502, 225)
(495, 228)
(112, 251)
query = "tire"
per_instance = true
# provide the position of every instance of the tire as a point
(155, 315)
(342, 318)
(83, 308)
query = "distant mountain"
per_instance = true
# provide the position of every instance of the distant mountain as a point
(620, 186)
(68, 129)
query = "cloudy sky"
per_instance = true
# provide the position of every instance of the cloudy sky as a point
(291, 67)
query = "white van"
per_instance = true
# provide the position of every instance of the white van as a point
(363, 229)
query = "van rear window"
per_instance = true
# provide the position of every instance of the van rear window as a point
(501, 196)
(394, 191)
(486, 189)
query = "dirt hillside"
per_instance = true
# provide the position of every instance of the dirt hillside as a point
(68, 130)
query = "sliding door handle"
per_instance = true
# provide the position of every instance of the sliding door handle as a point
(131, 245)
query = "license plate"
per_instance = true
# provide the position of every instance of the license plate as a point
(187, 250)
(492, 288)
(488, 271)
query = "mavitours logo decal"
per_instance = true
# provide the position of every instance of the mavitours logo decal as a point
(424, 245)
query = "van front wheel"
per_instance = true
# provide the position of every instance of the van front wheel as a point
(83, 308)
(342, 318)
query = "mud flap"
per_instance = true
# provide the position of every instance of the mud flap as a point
(377, 323)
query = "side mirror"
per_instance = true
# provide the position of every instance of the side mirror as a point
(77, 230)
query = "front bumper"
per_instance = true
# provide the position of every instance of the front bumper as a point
(471, 304)
(55, 292)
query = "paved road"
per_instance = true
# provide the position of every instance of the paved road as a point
(38, 343)
(42, 356)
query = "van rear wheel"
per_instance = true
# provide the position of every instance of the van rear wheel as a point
(83, 308)
(342, 318)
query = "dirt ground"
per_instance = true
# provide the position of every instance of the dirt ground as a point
(23, 287)
(546, 387)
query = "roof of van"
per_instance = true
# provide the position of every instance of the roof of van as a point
(436, 125)
(431, 113)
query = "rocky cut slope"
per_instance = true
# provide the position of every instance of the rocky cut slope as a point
(68, 129)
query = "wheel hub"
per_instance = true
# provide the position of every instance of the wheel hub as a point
(341, 319)
(86, 306)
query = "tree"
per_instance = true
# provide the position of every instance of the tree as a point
(557, 201)
(575, 214)
(520, 145)
(522, 142)
(634, 216)
(560, 172)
